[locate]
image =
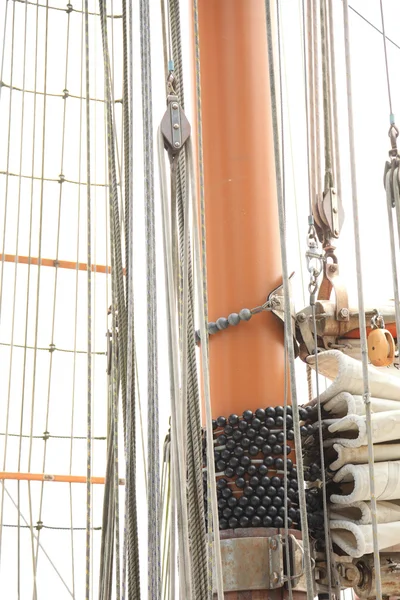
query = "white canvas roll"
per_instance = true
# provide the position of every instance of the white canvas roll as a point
(360, 512)
(344, 404)
(346, 375)
(359, 456)
(387, 482)
(385, 428)
(356, 540)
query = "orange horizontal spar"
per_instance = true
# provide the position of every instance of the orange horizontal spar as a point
(354, 334)
(58, 478)
(49, 262)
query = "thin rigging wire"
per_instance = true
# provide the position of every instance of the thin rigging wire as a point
(360, 293)
(386, 61)
(56, 273)
(374, 27)
(288, 319)
(89, 312)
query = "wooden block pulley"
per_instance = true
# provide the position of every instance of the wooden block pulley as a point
(381, 347)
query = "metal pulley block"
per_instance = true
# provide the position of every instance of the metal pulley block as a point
(381, 346)
(174, 126)
(332, 213)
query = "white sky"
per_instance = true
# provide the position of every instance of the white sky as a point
(61, 389)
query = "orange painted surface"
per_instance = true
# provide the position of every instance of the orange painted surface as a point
(56, 478)
(355, 333)
(49, 262)
(243, 247)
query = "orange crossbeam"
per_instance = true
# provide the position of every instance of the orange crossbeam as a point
(49, 262)
(58, 478)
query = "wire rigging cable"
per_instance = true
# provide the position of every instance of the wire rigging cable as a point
(361, 307)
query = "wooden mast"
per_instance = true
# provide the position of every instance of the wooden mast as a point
(243, 254)
(243, 246)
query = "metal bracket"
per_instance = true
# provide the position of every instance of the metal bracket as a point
(277, 299)
(252, 563)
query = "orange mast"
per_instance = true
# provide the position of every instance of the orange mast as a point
(243, 264)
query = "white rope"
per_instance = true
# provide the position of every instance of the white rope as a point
(361, 308)
(177, 438)
(206, 379)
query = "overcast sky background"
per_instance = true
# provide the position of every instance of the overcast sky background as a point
(60, 383)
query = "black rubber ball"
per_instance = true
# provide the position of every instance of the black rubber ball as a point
(279, 411)
(248, 491)
(221, 483)
(277, 449)
(221, 465)
(281, 437)
(292, 513)
(233, 419)
(279, 422)
(270, 411)
(233, 462)
(254, 481)
(271, 491)
(266, 450)
(289, 464)
(237, 511)
(221, 440)
(245, 461)
(267, 521)
(263, 431)
(227, 512)
(278, 522)
(269, 461)
(228, 430)
(266, 501)
(238, 451)
(237, 435)
(230, 445)
(226, 492)
(272, 511)
(232, 501)
(244, 521)
(265, 481)
(256, 521)
(223, 524)
(251, 433)
(272, 439)
(303, 414)
(243, 501)
(270, 422)
(260, 490)
(242, 425)
(255, 501)
(259, 441)
(229, 472)
(221, 421)
(277, 501)
(252, 469)
(260, 414)
(240, 482)
(233, 523)
(256, 423)
(289, 420)
(214, 424)
(276, 482)
(225, 455)
(262, 470)
(261, 511)
(221, 503)
(303, 431)
(249, 511)
(253, 450)
(246, 442)
(290, 434)
(279, 464)
(248, 415)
